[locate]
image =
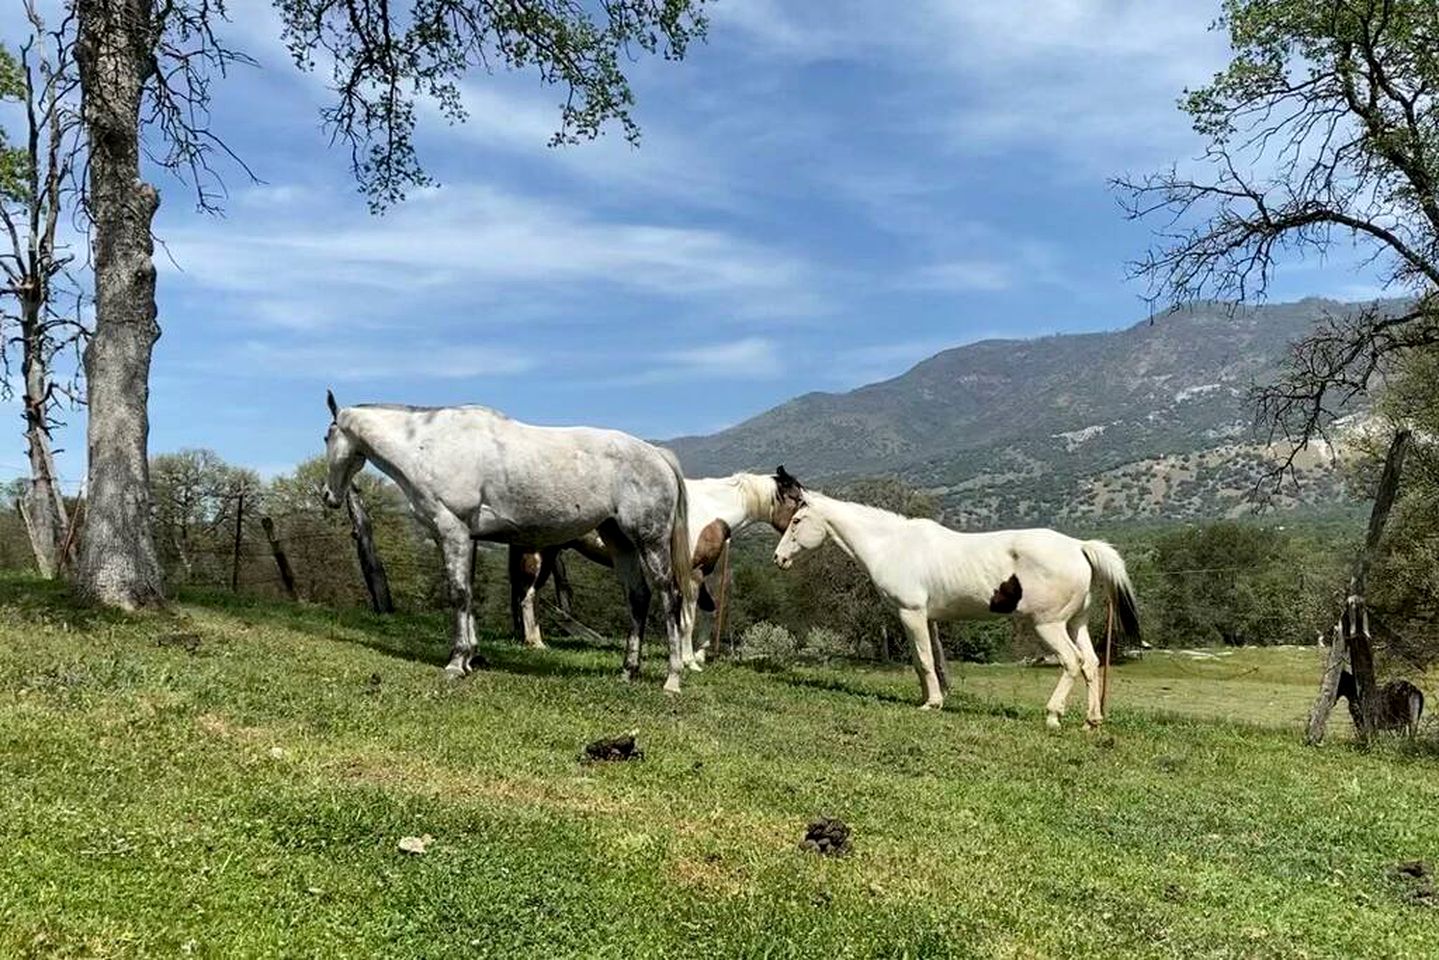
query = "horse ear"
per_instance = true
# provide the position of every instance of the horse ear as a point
(334, 407)
(784, 479)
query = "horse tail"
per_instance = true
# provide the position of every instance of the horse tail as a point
(1109, 567)
(680, 561)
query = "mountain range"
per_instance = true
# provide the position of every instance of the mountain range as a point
(1153, 421)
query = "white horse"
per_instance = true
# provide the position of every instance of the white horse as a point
(471, 473)
(930, 573)
(719, 507)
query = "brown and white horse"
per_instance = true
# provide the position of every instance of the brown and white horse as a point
(927, 572)
(719, 507)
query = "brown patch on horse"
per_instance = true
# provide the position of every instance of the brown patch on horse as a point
(1006, 596)
(710, 545)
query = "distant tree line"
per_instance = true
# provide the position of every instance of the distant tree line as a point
(1200, 584)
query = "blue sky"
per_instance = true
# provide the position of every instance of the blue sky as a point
(827, 191)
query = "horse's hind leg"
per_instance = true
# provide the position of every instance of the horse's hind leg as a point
(655, 560)
(1056, 637)
(457, 549)
(637, 594)
(526, 570)
(1088, 665)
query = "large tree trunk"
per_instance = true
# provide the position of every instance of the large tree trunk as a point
(45, 519)
(118, 563)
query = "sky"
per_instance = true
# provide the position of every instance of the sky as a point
(826, 192)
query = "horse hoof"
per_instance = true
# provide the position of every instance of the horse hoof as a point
(694, 665)
(932, 705)
(454, 672)
(1092, 725)
(700, 656)
(672, 685)
(1052, 721)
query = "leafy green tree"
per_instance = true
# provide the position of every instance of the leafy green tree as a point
(1403, 582)
(1232, 583)
(146, 63)
(1322, 130)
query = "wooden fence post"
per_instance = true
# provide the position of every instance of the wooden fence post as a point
(1354, 623)
(287, 576)
(1328, 688)
(373, 569)
(239, 532)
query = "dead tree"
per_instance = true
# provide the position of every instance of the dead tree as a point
(1351, 634)
(35, 185)
(371, 567)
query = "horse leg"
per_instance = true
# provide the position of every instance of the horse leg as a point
(525, 567)
(1088, 665)
(564, 594)
(637, 595)
(689, 616)
(1056, 637)
(655, 559)
(456, 546)
(916, 624)
(941, 664)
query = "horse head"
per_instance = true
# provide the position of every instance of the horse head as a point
(343, 457)
(788, 498)
(806, 531)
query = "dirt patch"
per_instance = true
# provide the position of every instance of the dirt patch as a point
(1417, 880)
(707, 874)
(186, 640)
(217, 726)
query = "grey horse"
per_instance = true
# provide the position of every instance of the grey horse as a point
(471, 473)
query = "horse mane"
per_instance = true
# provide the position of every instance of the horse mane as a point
(864, 509)
(758, 491)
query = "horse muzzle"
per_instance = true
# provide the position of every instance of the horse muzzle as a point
(784, 563)
(328, 497)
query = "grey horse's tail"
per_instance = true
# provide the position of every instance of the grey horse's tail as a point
(1108, 566)
(680, 561)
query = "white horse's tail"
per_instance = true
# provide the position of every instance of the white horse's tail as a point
(680, 561)
(1108, 566)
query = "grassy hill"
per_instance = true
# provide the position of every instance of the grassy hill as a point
(232, 779)
(1153, 420)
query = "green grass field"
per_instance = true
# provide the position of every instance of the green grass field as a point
(231, 780)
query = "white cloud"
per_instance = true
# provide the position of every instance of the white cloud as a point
(1093, 82)
(342, 360)
(460, 239)
(958, 276)
(749, 358)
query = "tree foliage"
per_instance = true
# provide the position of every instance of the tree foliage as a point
(386, 60)
(1403, 581)
(1236, 584)
(1323, 130)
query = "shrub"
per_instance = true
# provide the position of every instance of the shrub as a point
(822, 644)
(768, 643)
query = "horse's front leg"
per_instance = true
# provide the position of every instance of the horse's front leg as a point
(916, 624)
(457, 548)
(689, 615)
